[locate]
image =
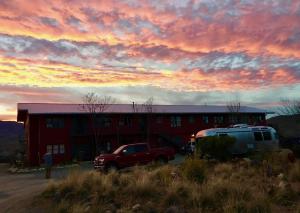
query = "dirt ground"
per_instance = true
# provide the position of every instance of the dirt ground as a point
(18, 190)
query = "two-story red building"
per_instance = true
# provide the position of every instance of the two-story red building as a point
(68, 132)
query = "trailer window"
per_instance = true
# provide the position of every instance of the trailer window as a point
(267, 136)
(258, 136)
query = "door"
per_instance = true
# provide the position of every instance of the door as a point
(128, 157)
(143, 155)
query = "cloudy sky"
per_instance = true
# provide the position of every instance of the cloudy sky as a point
(179, 52)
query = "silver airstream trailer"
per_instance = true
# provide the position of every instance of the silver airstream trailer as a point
(248, 138)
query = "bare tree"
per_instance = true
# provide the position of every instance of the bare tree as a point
(234, 108)
(289, 107)
(148, 108)
(95, 106)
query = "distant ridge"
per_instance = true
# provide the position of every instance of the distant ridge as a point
(10, 133)
(10, 128)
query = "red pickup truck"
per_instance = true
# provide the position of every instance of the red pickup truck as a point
(133, 154)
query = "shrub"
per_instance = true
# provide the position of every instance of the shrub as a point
(193, 170)
(294, 174)
(193, 187)
(285, 197)
(296, 150)
(215, 147)
(163, 176)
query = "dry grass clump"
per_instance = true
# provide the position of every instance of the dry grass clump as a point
(194, 186)
(193, 170)
(294, 173)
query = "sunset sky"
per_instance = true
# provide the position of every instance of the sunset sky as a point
(179, 52)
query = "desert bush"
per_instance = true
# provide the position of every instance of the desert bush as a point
(224, 170)
(193, 169)
(296, 150)
(259, 206)
(194, 186)
(294, 173)
(215, 147)
(285, 197)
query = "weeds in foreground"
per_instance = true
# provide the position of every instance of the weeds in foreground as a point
(195, 186)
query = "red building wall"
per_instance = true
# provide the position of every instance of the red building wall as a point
(159, 131)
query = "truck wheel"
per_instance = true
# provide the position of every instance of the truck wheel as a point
(111, 167)
(161, 160)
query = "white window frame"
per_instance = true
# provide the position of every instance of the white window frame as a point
(61, 148)
(55, 149)
(49, 148)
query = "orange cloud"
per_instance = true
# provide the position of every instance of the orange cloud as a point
(257, 29)
(43, 74)
(174, 45)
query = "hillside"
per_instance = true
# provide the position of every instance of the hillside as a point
(10, 133)
(288, 126)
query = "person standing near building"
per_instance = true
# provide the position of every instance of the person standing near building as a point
(48, 164)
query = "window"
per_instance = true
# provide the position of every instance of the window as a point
(125, 121)
(61, 149)
(222, 134)
(267, 136)
(55, 149)
(218, 119)
(129, 150)
(258, 136)
(55, 123)
(49, 148)
(205, 119)
(159, 119)
(245, 119)
(257, 118)
(141, 148)
(191, 119)
(175, 121)
(233, 119)
(103, 121)
(79, 125)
